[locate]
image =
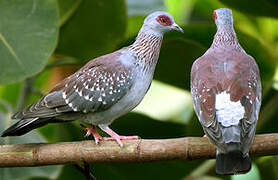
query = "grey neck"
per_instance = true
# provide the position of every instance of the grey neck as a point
(225, 36)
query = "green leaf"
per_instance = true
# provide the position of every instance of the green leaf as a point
(268, 167)
(96, 28)
(258, 7)
(176, 58)
(23, 173)
(180, 9)
(9, 93)
(134, 25)
(254, 174)
(273, 2)
(177, 104)
(263, 56)
(66, 9)
(203, 10)
(28, 34)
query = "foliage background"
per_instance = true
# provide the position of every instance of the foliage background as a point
(43, 41)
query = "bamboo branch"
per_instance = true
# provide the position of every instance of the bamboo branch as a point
(188, 148)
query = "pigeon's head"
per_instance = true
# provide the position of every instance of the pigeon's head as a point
(159, 23)
(223, 17)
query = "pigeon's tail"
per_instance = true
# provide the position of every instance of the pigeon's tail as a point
(232, 162)
(24, 126)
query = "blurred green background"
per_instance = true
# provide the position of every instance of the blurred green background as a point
(43, 41)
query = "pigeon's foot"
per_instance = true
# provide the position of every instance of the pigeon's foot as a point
(115, 136)
(205, 136)
(91, 130)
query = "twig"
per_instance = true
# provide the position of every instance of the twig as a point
(85, 170)
(24, 93)
(189, 148)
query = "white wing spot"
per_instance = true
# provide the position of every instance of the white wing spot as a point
(87, 97)
(64, 95)
(228, 112)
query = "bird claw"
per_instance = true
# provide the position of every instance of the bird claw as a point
(91, 130)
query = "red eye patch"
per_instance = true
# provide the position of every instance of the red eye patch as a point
(214, 15)
(164, 20)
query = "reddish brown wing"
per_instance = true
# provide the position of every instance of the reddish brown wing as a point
(236, 74)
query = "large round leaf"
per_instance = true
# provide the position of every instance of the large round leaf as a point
(66, 9)
(28, 34)
(94, 29)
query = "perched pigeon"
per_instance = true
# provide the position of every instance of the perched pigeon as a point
(104, 89)
(226, 92)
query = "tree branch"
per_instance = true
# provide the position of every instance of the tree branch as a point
(143, 150)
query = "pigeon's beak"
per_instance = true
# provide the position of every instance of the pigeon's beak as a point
(177, 28)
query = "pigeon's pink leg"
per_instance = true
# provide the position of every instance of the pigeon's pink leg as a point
(115, 136)
(92, 130)
(205, 136)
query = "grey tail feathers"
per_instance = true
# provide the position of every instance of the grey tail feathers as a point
(24, 126)
(232, 162)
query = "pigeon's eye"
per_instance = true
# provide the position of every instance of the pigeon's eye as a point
(164, 20)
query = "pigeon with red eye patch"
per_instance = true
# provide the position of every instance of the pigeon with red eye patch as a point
(104, 89)
(226, 93)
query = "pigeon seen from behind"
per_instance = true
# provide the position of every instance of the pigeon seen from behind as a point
(104, 89)
(226, 93)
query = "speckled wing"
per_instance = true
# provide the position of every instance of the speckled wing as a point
(236, 74)
(96, 87)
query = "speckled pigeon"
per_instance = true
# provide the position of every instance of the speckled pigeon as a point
(104, 89)
(226, 92)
